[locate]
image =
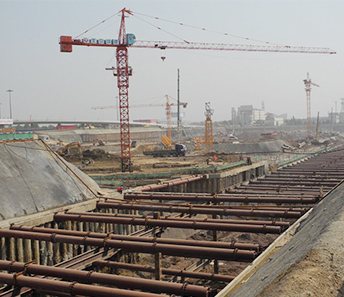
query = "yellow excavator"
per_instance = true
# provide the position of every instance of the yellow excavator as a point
(66, 150)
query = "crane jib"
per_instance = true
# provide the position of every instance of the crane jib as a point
(66, 43)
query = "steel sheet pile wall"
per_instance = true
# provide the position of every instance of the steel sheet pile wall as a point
(95, 240)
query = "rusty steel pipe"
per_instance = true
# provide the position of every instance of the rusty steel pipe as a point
(122, 282)
(199, 195)
(216, 199)
(219, 221)
(68, 287)
(196, 219)
(294, 207)
(141, 247)
(168, 223)
(201, 243)
(166, 271)
(300, 191)
(191, 209)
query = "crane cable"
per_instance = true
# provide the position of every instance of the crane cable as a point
(159, 28)
(179, 23)
(97, 25)
(209, 30)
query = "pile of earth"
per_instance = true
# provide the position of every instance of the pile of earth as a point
(98, 154)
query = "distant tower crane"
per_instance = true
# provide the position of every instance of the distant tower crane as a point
(209, 138)
(308, 84)
(123, 71)
(168, 109)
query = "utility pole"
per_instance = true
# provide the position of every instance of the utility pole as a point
(178, 110)
(233, 120)
(9, 94)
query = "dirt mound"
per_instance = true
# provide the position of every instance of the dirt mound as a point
(98, 154)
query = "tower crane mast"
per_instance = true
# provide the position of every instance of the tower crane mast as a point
(168, 110)
(122, 71)
(308, 83)
(209, 138)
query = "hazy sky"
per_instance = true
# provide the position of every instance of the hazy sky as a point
(52, 85)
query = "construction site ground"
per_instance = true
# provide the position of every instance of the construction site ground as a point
(310, 264)
(106, 159)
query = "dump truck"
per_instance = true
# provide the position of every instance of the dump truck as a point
(179, 150)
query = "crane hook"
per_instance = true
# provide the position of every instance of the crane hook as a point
(163, 58)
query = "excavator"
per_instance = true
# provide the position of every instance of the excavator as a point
(66, 150)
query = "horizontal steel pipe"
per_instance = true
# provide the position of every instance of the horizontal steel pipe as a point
(200, 195)
(200, 243)
(168, 223)
(199, 219)
(140, 247)
(296, 183)
(122, 282)
(67, 287)
(216, 199)
(300, 191)
(293, 207)
(166, 271)
(195, 210)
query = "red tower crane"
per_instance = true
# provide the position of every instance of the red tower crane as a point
(123, 71)
(308, 84)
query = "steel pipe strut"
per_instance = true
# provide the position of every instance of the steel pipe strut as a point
(219, 198)
(166, 223)
(192, 209)
(176, 272)
(200, 243)
(122, 282)
(68, 287)
(142, 247)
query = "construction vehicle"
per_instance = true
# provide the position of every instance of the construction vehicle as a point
(66, 150)
(179, 150)
(123, 70)
(166, 141)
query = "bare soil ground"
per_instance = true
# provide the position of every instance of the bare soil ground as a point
(100, 162)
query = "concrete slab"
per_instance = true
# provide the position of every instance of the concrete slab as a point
(34, 179)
